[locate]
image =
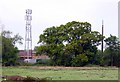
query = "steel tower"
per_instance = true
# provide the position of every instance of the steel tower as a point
(28, 34)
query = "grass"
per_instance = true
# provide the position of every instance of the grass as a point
(64, 73)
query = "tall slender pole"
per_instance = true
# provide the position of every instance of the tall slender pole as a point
(119, 20)
(102, 38)
(102, 42)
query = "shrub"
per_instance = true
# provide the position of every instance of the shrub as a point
(43, 62)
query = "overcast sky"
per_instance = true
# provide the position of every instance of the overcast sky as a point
(47, 13)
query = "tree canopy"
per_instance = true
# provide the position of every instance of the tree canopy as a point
(112, 52)
(9, 50)
(72, 44)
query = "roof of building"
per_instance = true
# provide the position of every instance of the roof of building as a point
(22, 53)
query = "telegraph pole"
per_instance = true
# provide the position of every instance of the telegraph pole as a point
(28, 34)
(119, 20)
(102, 38)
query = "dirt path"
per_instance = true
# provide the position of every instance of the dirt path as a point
(68, 68)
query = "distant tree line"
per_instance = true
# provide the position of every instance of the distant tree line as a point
(75, 44)
(72, 44)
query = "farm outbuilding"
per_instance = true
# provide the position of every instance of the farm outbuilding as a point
(22, 55)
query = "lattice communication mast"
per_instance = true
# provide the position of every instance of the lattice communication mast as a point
(28, 34)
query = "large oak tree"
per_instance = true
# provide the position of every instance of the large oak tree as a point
(72, 44)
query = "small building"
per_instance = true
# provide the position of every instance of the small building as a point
(23, 55)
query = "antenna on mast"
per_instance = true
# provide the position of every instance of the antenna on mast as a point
(28, 34)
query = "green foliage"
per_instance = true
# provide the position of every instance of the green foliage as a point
(9, 51)
(112, 52)
(45, 62)
(99, 58)
(72, 44)
(80, 60)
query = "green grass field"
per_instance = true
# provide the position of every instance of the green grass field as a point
(64, 73)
